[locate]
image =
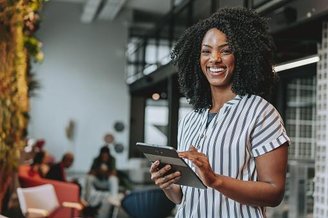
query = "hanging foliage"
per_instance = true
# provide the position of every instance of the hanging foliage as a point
(19, 20)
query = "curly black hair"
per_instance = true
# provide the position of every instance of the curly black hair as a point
(252, 45)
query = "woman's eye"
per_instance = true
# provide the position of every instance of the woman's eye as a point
(205, 51)
(226, 51)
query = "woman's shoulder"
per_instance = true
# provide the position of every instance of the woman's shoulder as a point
(262, 107)
(96, 160)
(255, 99)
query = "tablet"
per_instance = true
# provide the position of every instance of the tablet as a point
(168, 155)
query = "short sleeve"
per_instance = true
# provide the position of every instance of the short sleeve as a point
(268, 132)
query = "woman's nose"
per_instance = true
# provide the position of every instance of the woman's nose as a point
(215, 56)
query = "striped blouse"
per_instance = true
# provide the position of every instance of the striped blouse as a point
(244, 128)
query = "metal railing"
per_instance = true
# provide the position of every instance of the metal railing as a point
(147, 53)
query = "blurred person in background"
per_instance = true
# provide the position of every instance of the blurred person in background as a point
(39, 166)
(57, 171)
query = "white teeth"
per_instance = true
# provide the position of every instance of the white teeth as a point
(214, 69)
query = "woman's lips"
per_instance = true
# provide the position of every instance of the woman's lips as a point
(216, 70)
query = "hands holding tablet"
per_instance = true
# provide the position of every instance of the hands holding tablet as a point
(200, 161)
(163, 176)
(168, 168)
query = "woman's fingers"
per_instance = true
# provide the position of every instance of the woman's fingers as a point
(154, 166)
(163, 179)
(169, 177)
(192, 154)
(169, 182)
(159, 173)
(166, 181)
(201, 162)
(198, 163)
(192, 148)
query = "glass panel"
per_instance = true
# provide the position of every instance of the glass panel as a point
(156, 118)
(300, 125)
(163, 52)
(300, 117)
(151, 52)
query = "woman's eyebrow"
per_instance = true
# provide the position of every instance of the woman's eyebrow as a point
(220, 46)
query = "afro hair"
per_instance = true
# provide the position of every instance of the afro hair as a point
(252, 45)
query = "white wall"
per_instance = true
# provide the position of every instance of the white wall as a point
(82, 79)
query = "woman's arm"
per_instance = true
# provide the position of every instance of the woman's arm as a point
(267, 191)
(166, 182)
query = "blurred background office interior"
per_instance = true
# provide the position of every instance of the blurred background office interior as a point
(107, 70)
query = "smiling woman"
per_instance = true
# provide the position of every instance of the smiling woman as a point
(234, 138)
(217, 62)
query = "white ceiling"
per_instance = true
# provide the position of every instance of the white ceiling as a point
(155, 6)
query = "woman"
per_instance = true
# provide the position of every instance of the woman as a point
(101, 183)
(103, 169)
(234, 138)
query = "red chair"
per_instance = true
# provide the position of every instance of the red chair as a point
(65, 191)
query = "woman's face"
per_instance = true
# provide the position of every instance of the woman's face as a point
(104, 156)
(216, 59)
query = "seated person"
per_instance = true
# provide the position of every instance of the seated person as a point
(102, 175)
(57, 171)
(38, 165)
(101, 183)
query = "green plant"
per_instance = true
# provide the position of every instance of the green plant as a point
(19, 20)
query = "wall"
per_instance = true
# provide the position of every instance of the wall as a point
(82, 79)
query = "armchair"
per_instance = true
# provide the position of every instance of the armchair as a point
(65, 191)
(42, 201)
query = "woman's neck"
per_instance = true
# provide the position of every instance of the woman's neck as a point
(219, 98)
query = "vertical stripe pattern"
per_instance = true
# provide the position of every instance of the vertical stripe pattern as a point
(244, 128)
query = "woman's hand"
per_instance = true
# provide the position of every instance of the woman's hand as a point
(162, 177)
(203, 168)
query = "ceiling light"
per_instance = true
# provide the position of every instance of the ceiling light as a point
(155, 96)
(297, 63)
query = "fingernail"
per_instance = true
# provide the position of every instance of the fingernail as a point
(168, 167)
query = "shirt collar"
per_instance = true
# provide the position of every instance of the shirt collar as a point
(233, 101)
